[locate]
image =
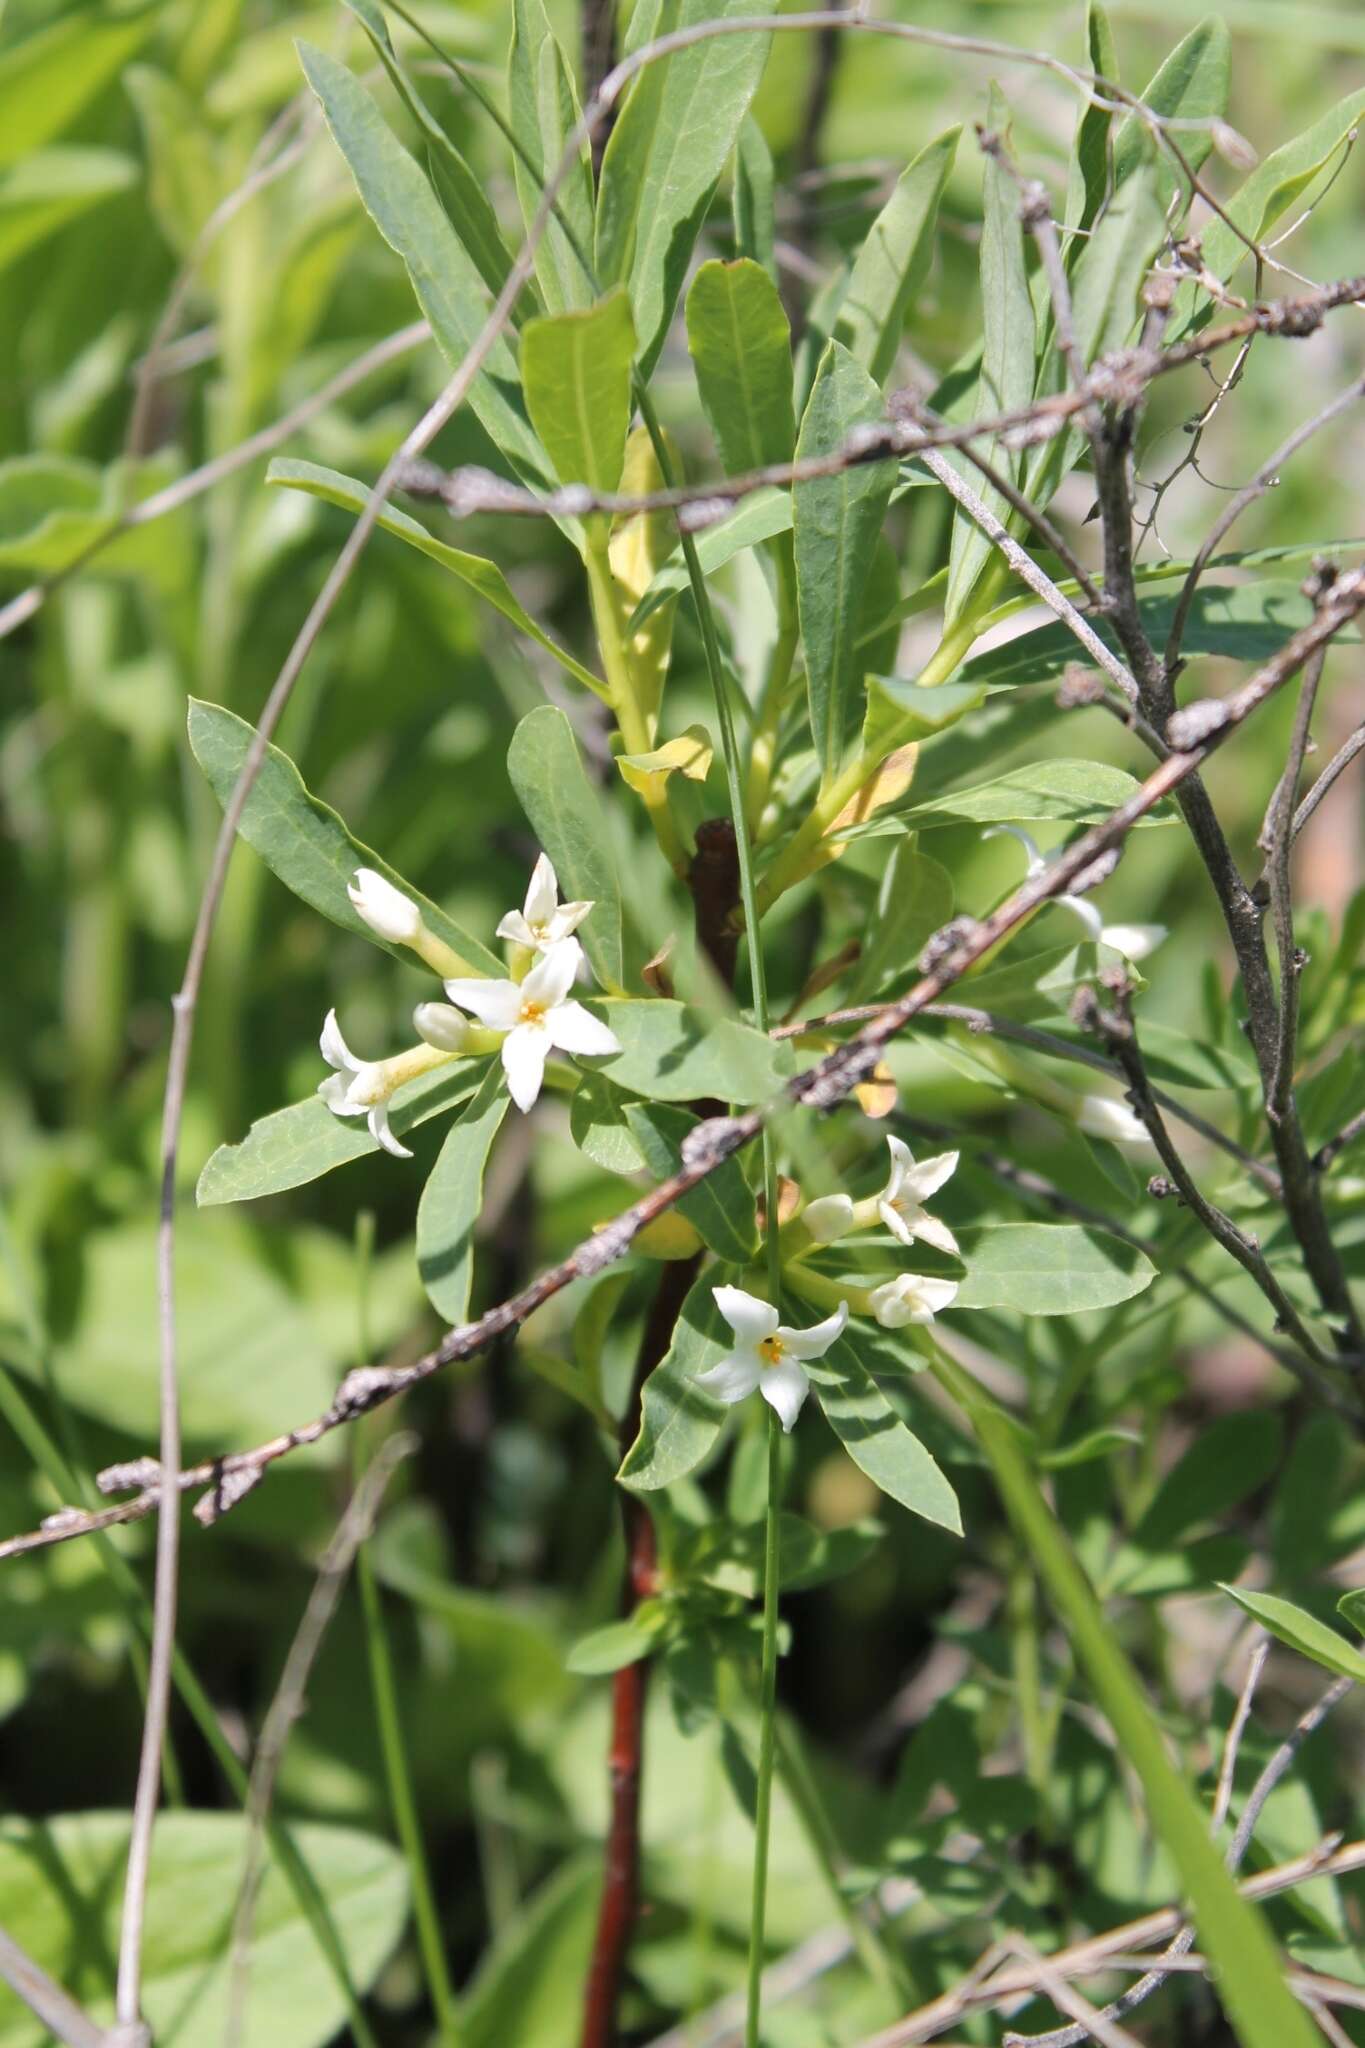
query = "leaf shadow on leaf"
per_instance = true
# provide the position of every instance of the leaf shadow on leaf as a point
(90, 1952)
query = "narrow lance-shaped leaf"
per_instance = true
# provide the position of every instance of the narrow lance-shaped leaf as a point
(894, 260)
(293, 1146)
(1007, 363)
(1191, 85)
(721, 1207)
(876, 1439)
(666, 154)
(466, 203)
(755, 227)
(836, 521)
(453, 1197)
(47, 78)
(543, 108)
(565, 812)
(740, 340)
(481, 576)
(444, 276)
(303, 841)
(680, 1421)
(1088, 176)
(1302, 1631)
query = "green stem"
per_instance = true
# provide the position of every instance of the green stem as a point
(763, 1798)
(1245, 1966)
(634, 727)
(773, 699)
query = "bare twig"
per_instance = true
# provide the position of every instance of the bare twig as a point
(289, 1702)
(1340, 761)
(62, 2017)
(820, 1087)
(1334, 1147)
(1265, 478)
(1276, 842)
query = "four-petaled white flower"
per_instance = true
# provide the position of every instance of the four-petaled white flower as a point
(358, 1087)
(766, 1356)
(543, 921)
(1134, 941)
(386, 910)
(537, 1017)
(911, 1298)
(901, 1202)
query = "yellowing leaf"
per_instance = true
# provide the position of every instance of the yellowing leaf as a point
(891, 781)
(690, 755)
(877, 1097)
(641, 542)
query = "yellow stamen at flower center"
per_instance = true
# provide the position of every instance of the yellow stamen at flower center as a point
(532, 1013)
(772, 1349)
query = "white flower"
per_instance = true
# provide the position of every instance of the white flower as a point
(828, 1218)
(911, 1298)
(901, 1202)
(358, 1087)
(1101, 1116)
(1134, 941)
(767, 1355)
(441, 1025)
(537, 1018)
(543, 921)
(386, 910)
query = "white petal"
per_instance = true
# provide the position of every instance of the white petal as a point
(751, 1319)
(523, 1058)
(550, 980)
(386, 910)
(514, 927)
(902, 1162)
(733, 1378)
(574, 1029)
(379, 1128)
(542, 896)
(1134, 941)
(895, 1222)
(910, 1298)
(569, 917)
(828, 1218)
(928, 1229)
(1087, 914)
(784, 1387)
(495, 1003)
(1103, 1117)
(333, 1093)
(815, 1342)
(927, 1176)
(1026, 840)
(334, 1048)
(441, 1025)
(935, 1294)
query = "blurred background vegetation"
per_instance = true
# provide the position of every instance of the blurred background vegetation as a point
(125, 132)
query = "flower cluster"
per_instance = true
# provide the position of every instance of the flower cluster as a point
(532, 1016)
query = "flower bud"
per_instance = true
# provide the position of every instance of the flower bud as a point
(1233, 147)
(386, 910)
(441, 1025)
(910, 1298)
(1100, 1116)
(828, 1218)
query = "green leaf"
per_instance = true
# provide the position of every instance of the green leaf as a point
(758, 517)
(1118, 256)
(542, 104)
(1076, 792)
(666, 154)
(597, 1125)
(46, 79)
(1172, 1055)
(1006, 378)
(576, 368)
(517, 1994)
(1351, 1607)
(680, 1421)
(1302, 1631)
(678, 1054)
(466, 204)
(1191, 85)
(1272, 188)
(836, 521)
(444, 276)
(483, 577)
(303, 841)
(915, 900)
(1088, 177)
(720, 1208)
(755, 229)
(293, 1146)
(900, 710)
(453, 1197)
(1048, 1269)
(61, 1895)
(44, 191)
(1230, 1458)
(740, 341)
(877, 1440)
(566, 815)
(894, 260)
(618, 1644)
